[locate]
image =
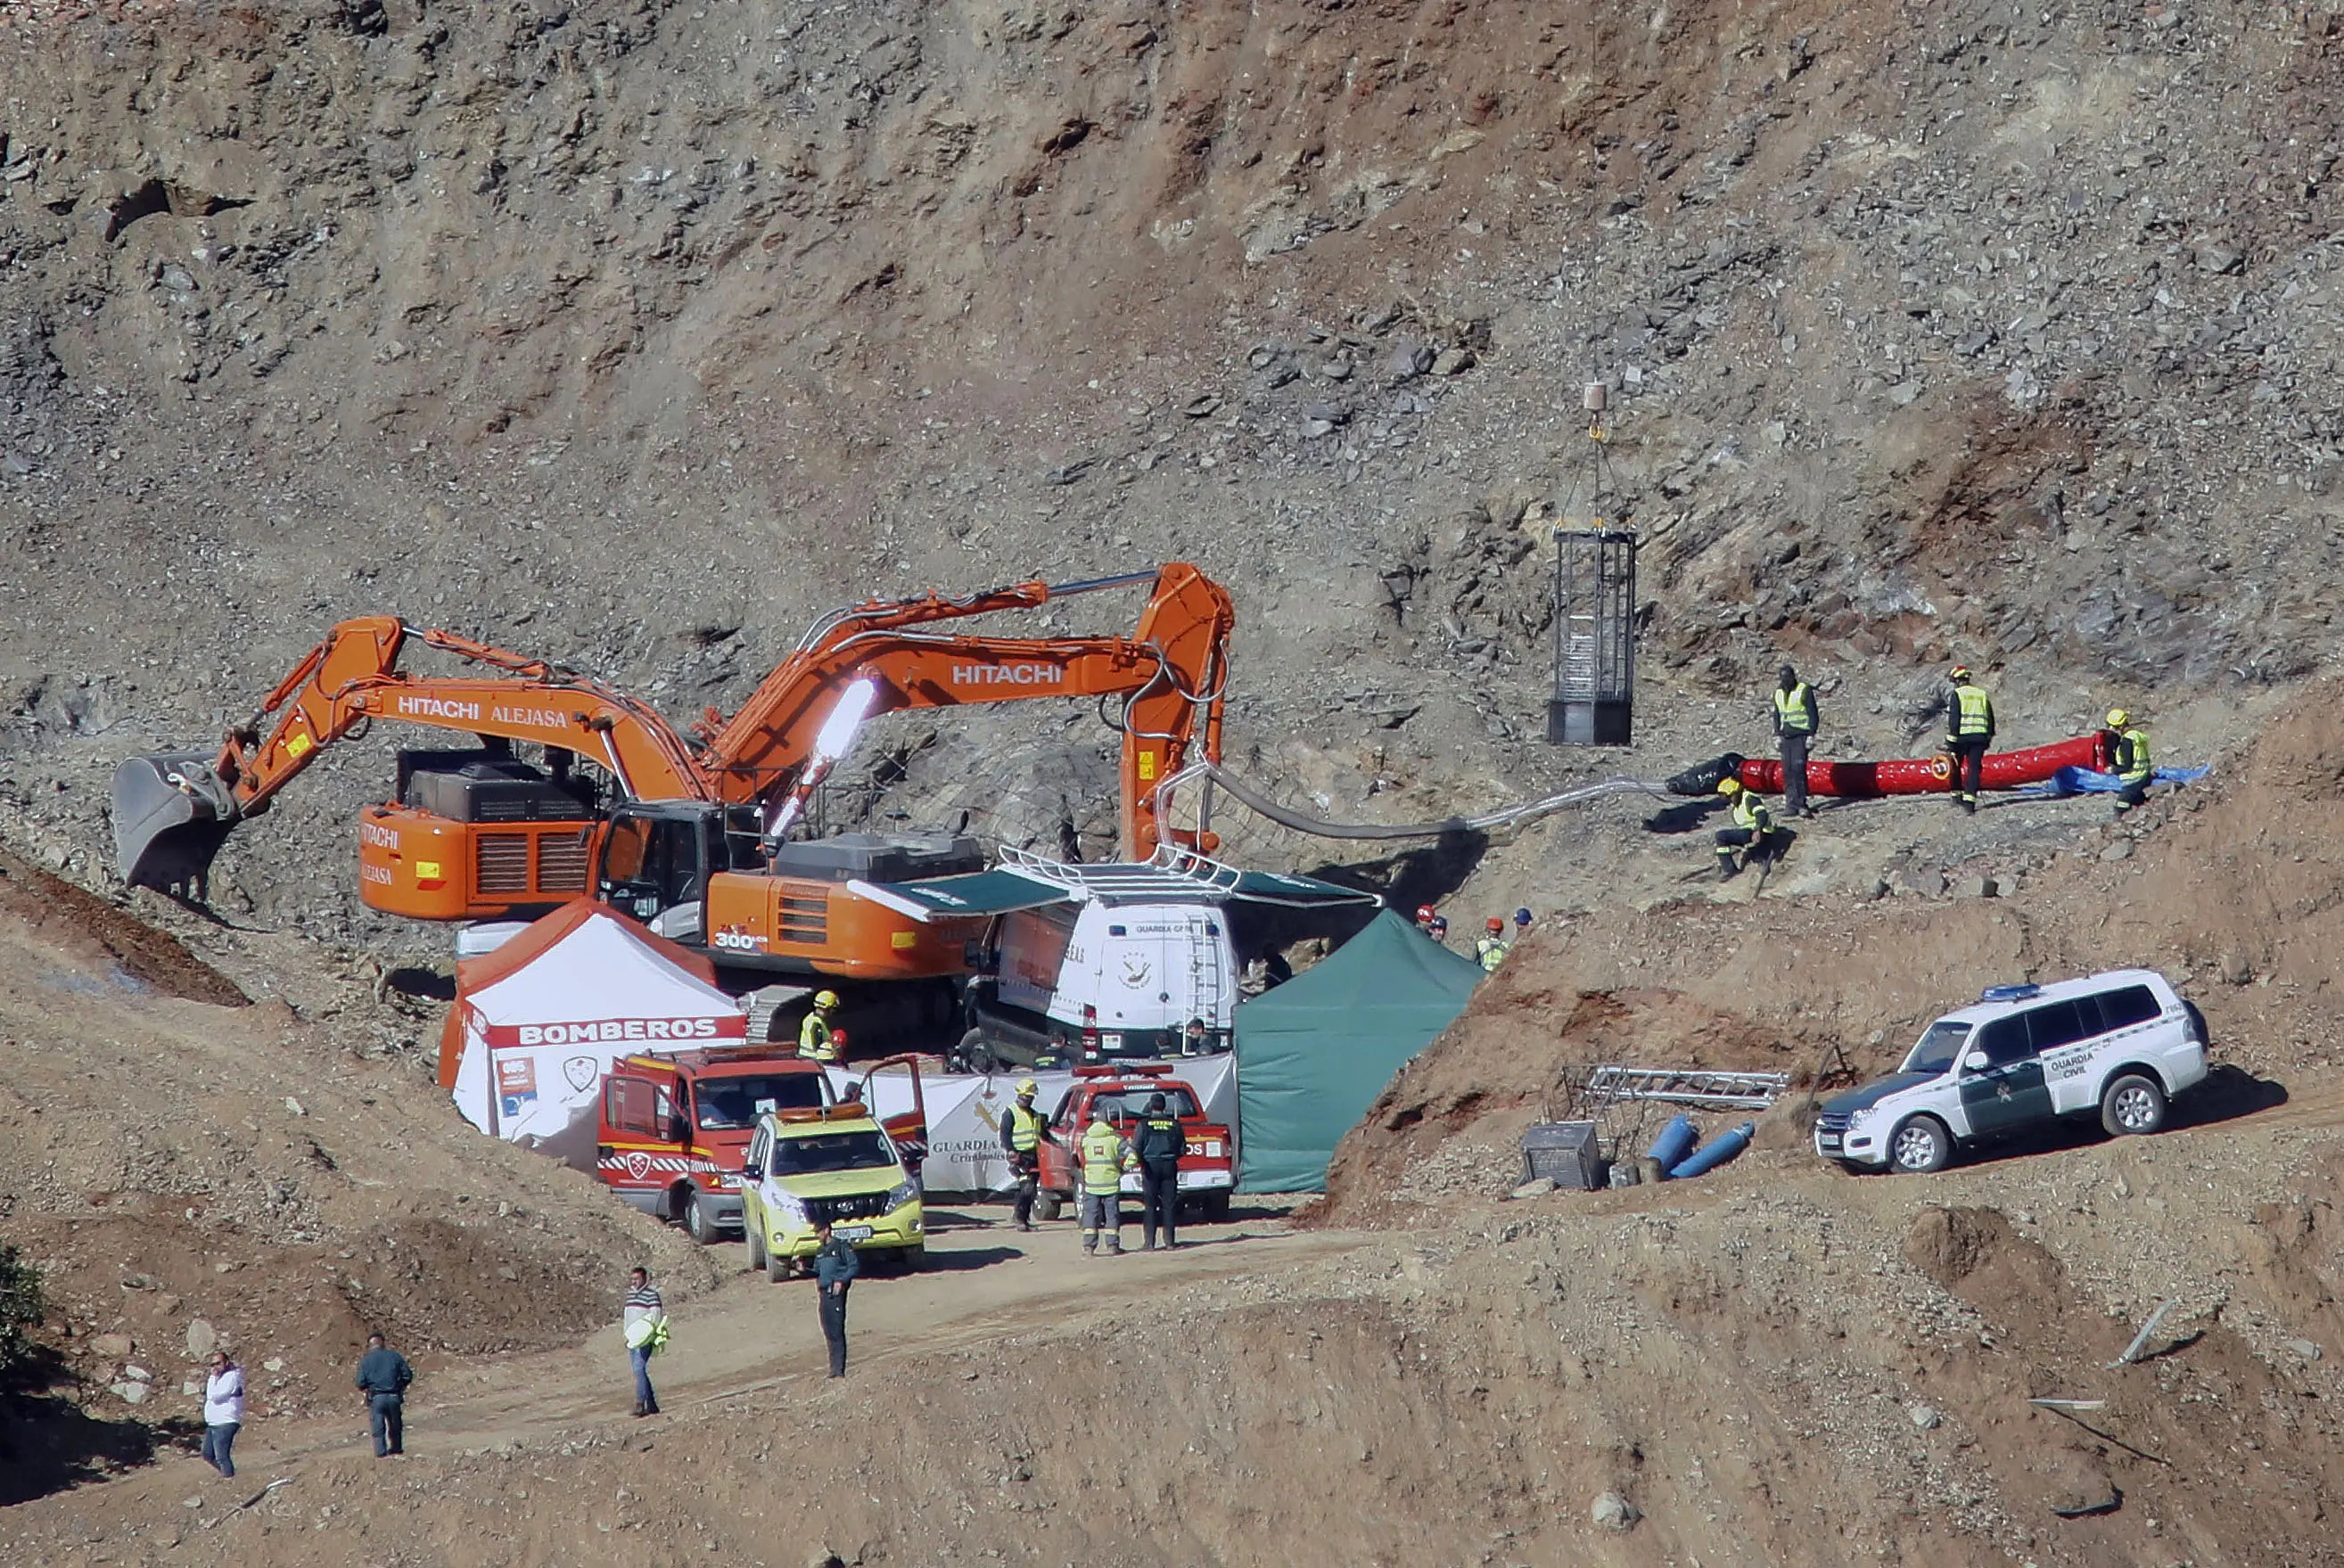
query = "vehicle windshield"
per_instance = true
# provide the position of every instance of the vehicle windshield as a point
(731, 1104)
(815, 1153)
(1127, 1104)
(1938, 1048)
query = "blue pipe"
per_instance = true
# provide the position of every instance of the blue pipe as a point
(1675, 1141)
(1715, 1153)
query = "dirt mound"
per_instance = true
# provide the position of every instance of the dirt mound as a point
(175, 1159)
(89, 930)
(1754, 1365)
(1974, 1254)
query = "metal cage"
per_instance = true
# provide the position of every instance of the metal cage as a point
(1594, 638)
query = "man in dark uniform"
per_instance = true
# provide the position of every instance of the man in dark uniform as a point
(836, 1265)
(1158, 1142)
(382, 1379)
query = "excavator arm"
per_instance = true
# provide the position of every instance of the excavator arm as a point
(1169, 678)
(173, 810)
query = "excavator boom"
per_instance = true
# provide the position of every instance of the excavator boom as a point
(173, 810)
(1169, 676)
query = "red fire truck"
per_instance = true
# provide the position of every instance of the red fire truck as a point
(675, 1128)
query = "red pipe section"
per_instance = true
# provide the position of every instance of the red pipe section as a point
(1933, 774)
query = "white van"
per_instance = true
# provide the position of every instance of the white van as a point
(1083, 964)
(1078, 983)
(2120, 1044)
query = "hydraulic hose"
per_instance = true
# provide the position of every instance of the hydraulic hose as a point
(1318, 826)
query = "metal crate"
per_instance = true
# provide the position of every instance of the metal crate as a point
(1564, 1152)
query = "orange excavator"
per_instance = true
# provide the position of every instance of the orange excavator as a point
(689, 835)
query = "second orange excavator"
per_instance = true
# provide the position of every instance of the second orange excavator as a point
(690, 835)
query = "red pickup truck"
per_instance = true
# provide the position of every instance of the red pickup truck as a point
(675, 1128)
(1207, 1166)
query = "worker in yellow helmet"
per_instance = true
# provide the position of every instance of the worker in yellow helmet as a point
(1023, 1130)
(2130, 759)
(1753, 824)
(818, 1036)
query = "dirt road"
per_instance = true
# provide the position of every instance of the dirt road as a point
(983, 1282)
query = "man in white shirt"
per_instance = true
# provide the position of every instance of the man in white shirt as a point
(223, 1411)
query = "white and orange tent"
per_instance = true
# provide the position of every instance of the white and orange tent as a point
(537, 1022)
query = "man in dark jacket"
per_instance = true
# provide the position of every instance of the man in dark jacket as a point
(1157, 1142)
(382, 1379)
(835, 1265)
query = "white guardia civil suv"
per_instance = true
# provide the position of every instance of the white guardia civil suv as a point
(2122, 1044)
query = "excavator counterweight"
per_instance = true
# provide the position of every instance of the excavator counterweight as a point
(171, 814)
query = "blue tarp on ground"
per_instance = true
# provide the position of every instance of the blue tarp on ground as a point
(1314, 1053)
(2084, 781)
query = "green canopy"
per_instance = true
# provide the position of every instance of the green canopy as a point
(1314, 1053)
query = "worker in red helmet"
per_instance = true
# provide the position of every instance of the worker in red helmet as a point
(1425, 916)
(1491, 948)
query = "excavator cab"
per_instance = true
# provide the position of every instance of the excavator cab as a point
(659, 854)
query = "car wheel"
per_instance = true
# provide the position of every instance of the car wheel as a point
(2132, 1104)
(756, 1240)
(1920, 1146)
(915, 1258)
(697, 1222)
(1217, 1208)
(1047, 1206)
(777, 1268)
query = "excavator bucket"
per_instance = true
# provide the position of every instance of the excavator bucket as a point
(171, 814)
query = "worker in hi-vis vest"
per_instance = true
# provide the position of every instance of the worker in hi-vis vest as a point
(1107, 1155)
(2130, 761)
(1796, 719)
(818, 1036)
(1753, 826)
(1023, 1130)
(1969, 731)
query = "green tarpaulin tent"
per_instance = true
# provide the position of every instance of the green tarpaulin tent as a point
(1314, 1053)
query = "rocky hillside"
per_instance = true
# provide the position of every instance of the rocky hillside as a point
(635, 333)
